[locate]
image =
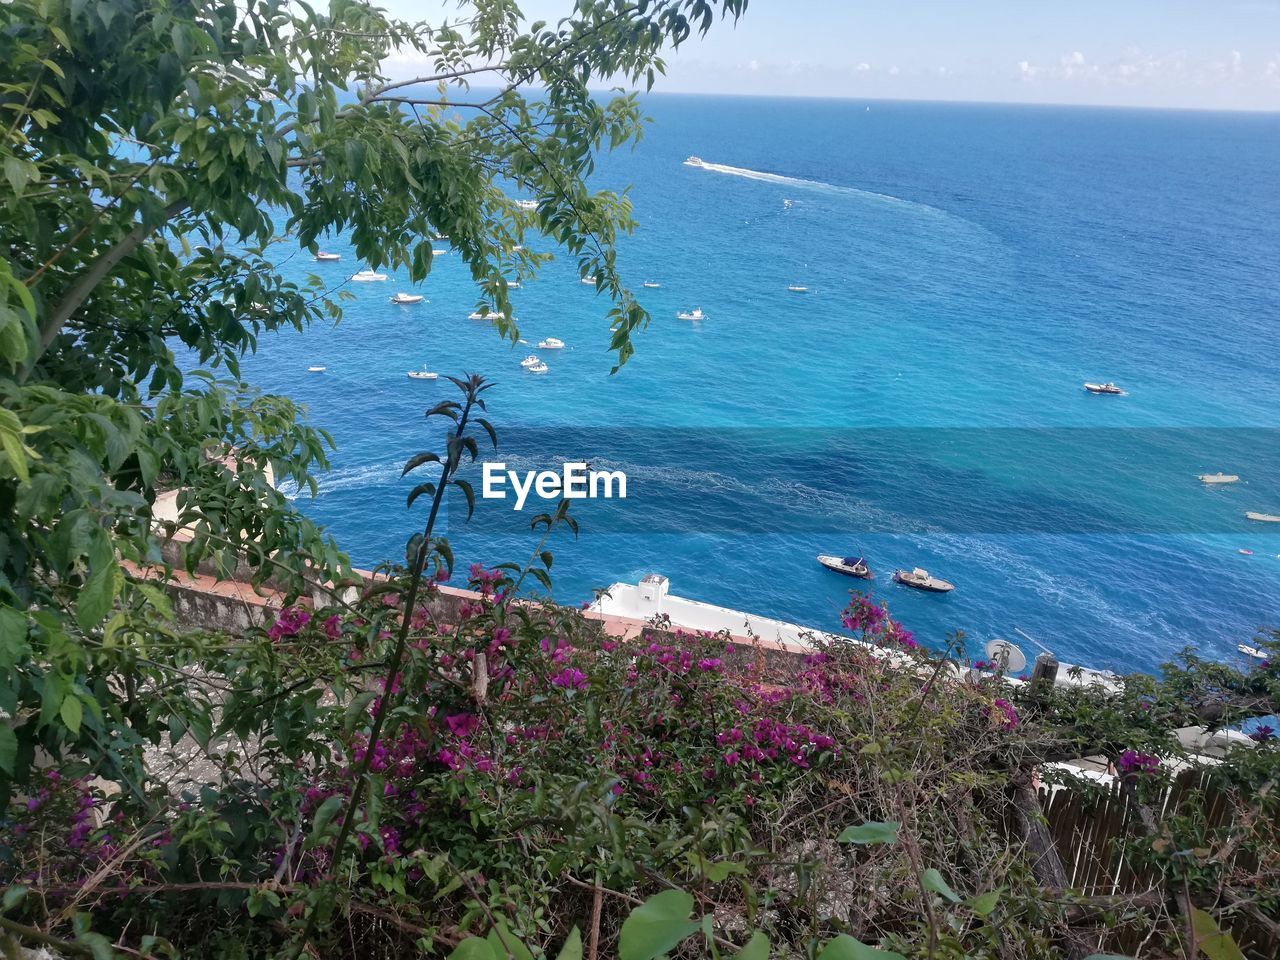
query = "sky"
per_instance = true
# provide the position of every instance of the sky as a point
(1209, 54)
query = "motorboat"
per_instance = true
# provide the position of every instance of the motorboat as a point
(328, 257)
(490, 315)
(588, 281)
(849, 566)
(527, 204)
(921, 580)
(694, 314)
(438, 251)
(532, 360)
(551, 343)
(316, 368)
(797, 288)
(1219, 478)
(423, 374)
(1249, 651)
(1262, 517)
(651, 285)
(513, 284)
(694, 162)
(368, 276)
(538, 367)
(407, 298)
(1110, 388)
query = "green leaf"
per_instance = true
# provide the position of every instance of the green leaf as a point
(8, 748)
(721, 870)
(506, 945)
(844, 947)
(473, 948)
(72, 712)
(757, 948)
(983, 905)
(656, 926)
(356, 709)
(572, 949)
(13, 896)
(932, 880)
(1106, 956)
(873, 832)
(97, 594)
(1215, 943)
(324, 816)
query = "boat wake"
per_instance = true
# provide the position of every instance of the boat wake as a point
(367, 475)
(809, 184)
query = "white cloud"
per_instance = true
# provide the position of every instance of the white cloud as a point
(894, 71)
(754, 66)
(864, 67)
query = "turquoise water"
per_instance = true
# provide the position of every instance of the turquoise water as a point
(968, 267)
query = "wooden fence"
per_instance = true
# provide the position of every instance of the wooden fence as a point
(1089, 823)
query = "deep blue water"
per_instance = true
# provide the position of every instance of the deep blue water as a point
(968, 266)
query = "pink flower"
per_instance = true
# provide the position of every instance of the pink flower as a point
(1008, 716)
(570, 678)
(1133, 764)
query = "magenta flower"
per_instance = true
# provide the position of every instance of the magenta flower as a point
(1133, 764)
(570, 678)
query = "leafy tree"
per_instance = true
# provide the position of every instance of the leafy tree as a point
(150, 147)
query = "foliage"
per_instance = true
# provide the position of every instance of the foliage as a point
(162, 159)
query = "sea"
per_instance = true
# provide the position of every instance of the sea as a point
(967, 268)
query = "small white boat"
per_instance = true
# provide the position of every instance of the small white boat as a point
(527, 204)
(423, 374)
(489, 315)
(694, 162)
(694, 314)
(368, 276)
(1219, 478)
(438, 252)
(849, 566)
(1249, 651)
(316, 368)
(921, 580)
(551, 343)
(513, 284)
(588, 281)
(328, 257)
(797, 288)
(1109, 388)
(538, 367)
(1262, 517)
(407, 298)
(651, 285)
(530, 361)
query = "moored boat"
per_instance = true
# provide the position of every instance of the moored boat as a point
(527, 204)
(921, 580)
(532, 360)
(538, 367)
(490, 315)
(797, 288)
(1262, 517)
(849, 566)
(651, 285)
(1109, 388)
(694, 314)
(588, 281)
(368, 276)
(316, 368)
(328, 257)
(423, 374)
(1218, 478)
(551, 343)
(407, 298)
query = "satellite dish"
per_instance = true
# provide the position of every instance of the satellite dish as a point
(1006, 656)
